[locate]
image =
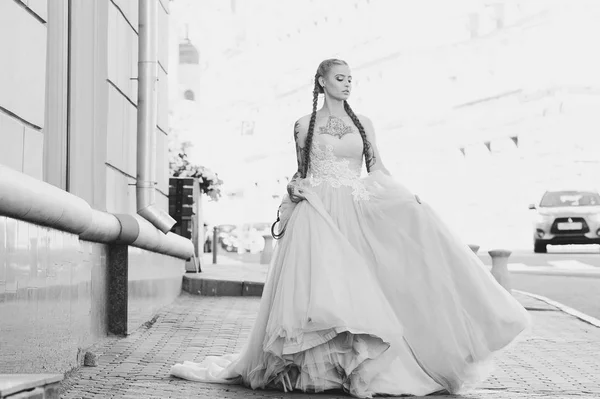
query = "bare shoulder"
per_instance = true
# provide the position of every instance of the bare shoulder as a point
(367, 124)
(303, 122)
(365, 120)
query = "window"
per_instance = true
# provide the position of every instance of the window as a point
(570, 198)
(189, 95)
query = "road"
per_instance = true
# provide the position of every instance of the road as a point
(588, 254)
(581, 293)
(576, 282)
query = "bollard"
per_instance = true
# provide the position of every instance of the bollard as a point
(474, 248)
(500, 267)
(215, 244)
(192, 265)
(267, 252)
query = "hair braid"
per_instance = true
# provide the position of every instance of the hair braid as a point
(311, 129)
(367, 149)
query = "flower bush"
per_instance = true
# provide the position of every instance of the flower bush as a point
(180, 166)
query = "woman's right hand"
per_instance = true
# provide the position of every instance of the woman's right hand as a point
(296, 193)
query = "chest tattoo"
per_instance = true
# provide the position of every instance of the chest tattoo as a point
(335, 127)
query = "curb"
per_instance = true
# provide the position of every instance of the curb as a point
(215, 287)
(564, 308)
(561, 273)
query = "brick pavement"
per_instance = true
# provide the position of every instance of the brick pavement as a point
(558, 359)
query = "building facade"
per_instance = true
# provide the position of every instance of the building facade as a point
(70, 271)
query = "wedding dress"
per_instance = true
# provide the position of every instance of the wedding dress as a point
(368, 291)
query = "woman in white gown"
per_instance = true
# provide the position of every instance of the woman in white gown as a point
(368, 290)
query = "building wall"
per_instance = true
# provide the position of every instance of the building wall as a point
(98, 163)
(162, 163)
(104, 121)
(22, 83)
(53, 294)
(68, 116)
(122, 111)
(154, 281)
(88, 101)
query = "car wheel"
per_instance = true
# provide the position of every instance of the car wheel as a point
(540, 247)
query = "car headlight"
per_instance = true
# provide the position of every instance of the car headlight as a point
(543, 218)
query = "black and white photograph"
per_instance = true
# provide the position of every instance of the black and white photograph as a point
(299, 199)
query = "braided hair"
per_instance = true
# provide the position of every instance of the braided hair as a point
(322, 70)
(313, 117)
(368, 152)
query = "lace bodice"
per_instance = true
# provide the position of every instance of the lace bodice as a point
(338, 163)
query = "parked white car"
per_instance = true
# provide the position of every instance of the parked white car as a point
(566, 217)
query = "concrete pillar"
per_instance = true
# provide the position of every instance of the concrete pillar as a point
(194, 265)
(500, 267)
(267, 252)
(215, 244)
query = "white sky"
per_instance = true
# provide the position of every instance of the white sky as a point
(413, 63)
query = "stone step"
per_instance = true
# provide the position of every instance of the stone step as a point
(227, 279)
(196, 284)
(30, 386)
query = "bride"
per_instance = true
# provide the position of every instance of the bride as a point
(368, 290)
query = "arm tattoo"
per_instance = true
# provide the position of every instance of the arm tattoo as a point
(290, 186)
(296, 130)
(299, 150)
(299, 153)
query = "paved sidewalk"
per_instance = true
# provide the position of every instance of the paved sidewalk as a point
(228, 270)
(559, 359)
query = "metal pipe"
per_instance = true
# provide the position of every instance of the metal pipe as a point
(146, 117)
(215, 244)
(26, 198)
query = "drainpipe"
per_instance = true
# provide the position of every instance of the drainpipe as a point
(146, 118)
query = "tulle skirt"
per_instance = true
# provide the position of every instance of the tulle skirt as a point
(372, 295)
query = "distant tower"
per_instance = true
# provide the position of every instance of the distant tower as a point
(189, 70)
